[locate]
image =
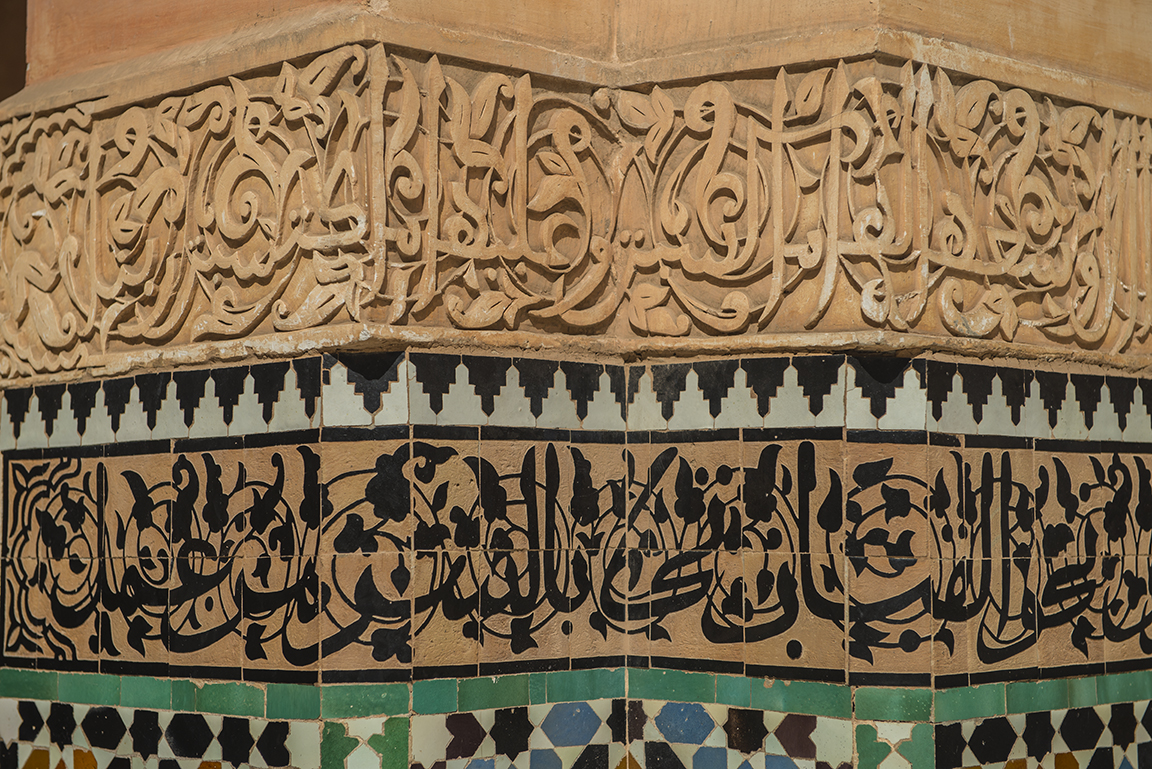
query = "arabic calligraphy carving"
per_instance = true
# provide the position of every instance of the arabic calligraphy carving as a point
(266, 555)
(363, 187)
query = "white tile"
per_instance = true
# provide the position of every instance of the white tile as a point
(1070, 419)
(364, 728)
(738, 408)
(133, 422)
(65, 430)
(32, 432)
(644, 412)
(789, 407)
(208, 417)
(691, 411)
(511, 407)
(1034, 417)
(833, 739)
(419, 402)
(997, 414)
(430, 738)
(363, 757)
(956, 415)
(1139, 423)
(289, 411)
(394, 403)
(343, 406)
(1105, 422)
(303, 743)
(7, 435)
(857, 408)
(604, 411)
(170, 417)
(908, 410)
(462, 406)
(248, 415)
(558, 409)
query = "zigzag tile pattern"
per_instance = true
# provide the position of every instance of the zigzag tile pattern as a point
(373, 390)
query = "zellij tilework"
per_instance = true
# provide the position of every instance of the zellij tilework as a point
(435, 561)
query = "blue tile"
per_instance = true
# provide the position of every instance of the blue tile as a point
(685, 723)
(779, 762)
(482, 763)
(570, 723)
(710, 758)
(544, 759)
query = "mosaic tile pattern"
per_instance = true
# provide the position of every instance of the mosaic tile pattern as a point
(110, 736)
(1117, 735)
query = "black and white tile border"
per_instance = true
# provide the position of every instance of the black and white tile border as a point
(376, 390)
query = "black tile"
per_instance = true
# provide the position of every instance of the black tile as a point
(817, 375)
(1081, 728)
(1087, 390)
(668, 383)
(1122, 392)
(51, 398)
(487, 375)
(880, 378)
(18, 400)
(235, 740)
(146, 733)
(83, 396)
(466, 735)
(659, 755)
(976, 384)
(939, 386)
(1053, 389)
(268, 383)
(436, 374)
(61, 723)
(992, 740)
(308, 382)
(273, 744)
(1038, 734)
(104, 728)
(1015, 384)
(511, 730)
(536, 379)
(582, 380)
(716, 378)
(765, 377)
(31, 720)
(229, 387)
(190, 391)
(1123, 724)
(188, 735)
(949, 746)
(745, 730)
(152, 389)
(117, 393)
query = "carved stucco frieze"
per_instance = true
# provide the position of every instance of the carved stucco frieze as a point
(362, 187)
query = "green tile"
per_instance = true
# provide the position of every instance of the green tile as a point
(806, 697)
(357, 700)
(966, 702)
(89, 688)
(231, 699)
(145, 692)
(656, 684)
(870, 750)
(392, 745)
(579, 685)
(183, 695)
(1082, 692)
(920, 750)
(293, 701)
(1034, 696)
(1124, 687)
(28, 684)
(492, 692)
(895, 704)
(733, 690)
(434, 696)
(335, 745)
(537, 688)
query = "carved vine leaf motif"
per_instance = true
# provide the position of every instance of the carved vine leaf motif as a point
(363, 187)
